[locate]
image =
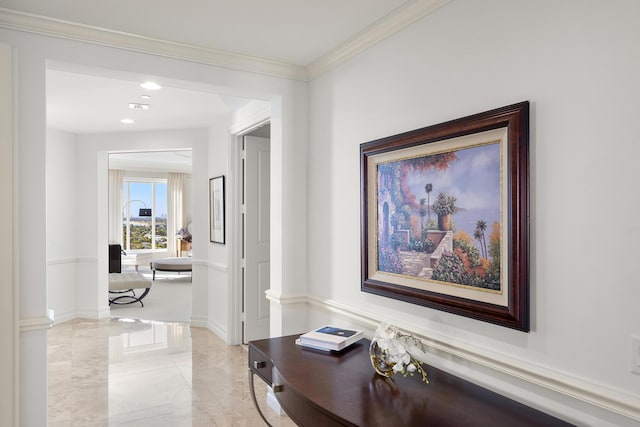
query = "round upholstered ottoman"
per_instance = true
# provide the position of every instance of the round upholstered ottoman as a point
(177, 265)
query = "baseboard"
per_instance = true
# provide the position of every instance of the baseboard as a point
(199, 322)
(218, 330)
(64, 316)
(506, 375)
(93, 314)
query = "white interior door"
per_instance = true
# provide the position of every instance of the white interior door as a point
(256, 264)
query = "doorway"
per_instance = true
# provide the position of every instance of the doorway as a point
(150, 204)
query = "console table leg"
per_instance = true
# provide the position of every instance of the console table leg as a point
(255, 401)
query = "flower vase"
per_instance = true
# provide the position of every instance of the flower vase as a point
(390, 352)
(379, 360)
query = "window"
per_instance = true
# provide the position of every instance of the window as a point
(144, 232)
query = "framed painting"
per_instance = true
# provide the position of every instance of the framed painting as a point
(445, 216)
(216, 209)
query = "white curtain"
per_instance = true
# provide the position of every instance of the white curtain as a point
(175, 184)
(115, 206)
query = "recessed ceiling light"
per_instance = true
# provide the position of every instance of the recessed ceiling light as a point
(127, 121)
(145, 96)
(136, 106)
(151, 86)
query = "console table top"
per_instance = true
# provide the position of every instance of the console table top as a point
(321, 388)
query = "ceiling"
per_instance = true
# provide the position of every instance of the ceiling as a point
(96, 103)
(294, 33)
(289, 31)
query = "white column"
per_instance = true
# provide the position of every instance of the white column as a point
(289, 141)
(31, 235)
(8, 286)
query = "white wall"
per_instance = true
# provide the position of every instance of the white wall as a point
(62, 232)
(577, 63)
(218, 267)
(289, 139)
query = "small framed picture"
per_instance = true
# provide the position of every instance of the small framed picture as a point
(216, 209)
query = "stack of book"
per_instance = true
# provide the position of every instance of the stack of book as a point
(329, 338)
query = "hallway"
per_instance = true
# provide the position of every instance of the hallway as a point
(126, 372)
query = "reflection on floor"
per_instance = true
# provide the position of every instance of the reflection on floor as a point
(126, 372)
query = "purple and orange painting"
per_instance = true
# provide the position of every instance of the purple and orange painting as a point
(439, 217)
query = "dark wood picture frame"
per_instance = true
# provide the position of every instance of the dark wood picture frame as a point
(508, 303)
(216, 210)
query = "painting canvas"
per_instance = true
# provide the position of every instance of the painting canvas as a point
(439, 224)
(426, 204)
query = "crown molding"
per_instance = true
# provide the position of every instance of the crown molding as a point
(385, 27)
(21, 21)
(397, 20)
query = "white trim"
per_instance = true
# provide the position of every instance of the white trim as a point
(9, 306)
(397, 20)
(245, 120)
(400, 18)
(71, 260)
(218, 266)
(286, 299)
(234, 303)
(592, 393)
(146, 180)
(22, 21)
(254, 115)
(16, 245)
(64, 317)
(218, 330)
(199, 321)
(93, 314)
(29, 324)
(62, 261)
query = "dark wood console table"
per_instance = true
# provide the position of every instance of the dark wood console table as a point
(326, 389)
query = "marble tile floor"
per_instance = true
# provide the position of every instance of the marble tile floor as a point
(129, 372)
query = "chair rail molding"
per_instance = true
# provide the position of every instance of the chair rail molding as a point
(611, 400)
(70, 260)
(36, 323)
(214, 265)
(286, 299)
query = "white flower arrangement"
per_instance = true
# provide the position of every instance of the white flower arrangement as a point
(393, 351)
